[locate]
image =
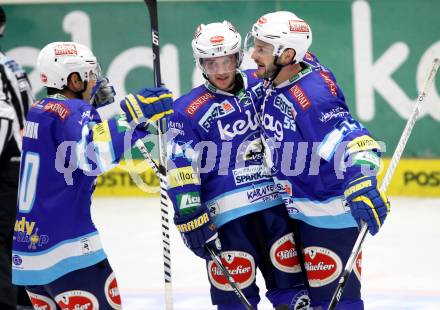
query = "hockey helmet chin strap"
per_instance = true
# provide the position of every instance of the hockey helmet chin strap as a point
(279, 67)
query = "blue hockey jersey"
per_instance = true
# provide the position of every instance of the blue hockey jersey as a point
(309, 133)
(65, 146)
(215, 153)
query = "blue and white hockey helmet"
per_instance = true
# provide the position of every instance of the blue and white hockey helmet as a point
(58, 60)
(216, 40)
(282, 30)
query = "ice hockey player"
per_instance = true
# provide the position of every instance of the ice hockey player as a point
(218, 185)
(320, 155)
(15, 99)
(57, 253)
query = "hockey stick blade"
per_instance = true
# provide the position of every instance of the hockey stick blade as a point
(386, 181)
(230, 279)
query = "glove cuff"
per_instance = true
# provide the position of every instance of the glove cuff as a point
(192, 221)
(359, 186)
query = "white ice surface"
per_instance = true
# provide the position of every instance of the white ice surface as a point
(401, 265)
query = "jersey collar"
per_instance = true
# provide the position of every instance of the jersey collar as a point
(304, 72)
(215, 90)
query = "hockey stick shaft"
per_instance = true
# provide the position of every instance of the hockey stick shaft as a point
(385, 182)
(161, 127)
(230, 279)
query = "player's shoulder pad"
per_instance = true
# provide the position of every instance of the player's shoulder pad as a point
(311, 59)
(192, 103)
(316, 92)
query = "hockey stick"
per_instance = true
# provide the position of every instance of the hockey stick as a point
(230, 279)
(160, 170)
(386, 181)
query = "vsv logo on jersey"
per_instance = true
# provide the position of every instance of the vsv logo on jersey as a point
(322, 265)
(284, 256)
(241, 266)
(239, 127)
(216, 110)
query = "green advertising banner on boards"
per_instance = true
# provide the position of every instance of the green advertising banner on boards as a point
(380, 51)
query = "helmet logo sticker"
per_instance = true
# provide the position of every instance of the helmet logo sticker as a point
(217, 39)
(298, 26)
(65, 50)
(43, 77)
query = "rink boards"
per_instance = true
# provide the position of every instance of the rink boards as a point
(413, 177)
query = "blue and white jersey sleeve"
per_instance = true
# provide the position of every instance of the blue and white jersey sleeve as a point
(328, 122)
(98, 144)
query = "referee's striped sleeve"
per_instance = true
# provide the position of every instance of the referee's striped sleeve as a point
(5, 132)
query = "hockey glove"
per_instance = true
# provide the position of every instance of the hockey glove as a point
(102, 93)
(147, 105)
(197, 231)
(367, 202)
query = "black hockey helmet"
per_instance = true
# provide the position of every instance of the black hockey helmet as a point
(2, 21)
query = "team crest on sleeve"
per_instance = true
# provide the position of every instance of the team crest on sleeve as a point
(77, 299)
(322, 265)
(241, 266)
(112, 292)
(41, 302)
(284, 256)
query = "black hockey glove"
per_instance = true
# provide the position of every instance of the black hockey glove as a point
(197, 231)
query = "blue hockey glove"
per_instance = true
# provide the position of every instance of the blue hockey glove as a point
(198, 231)
(367, 202)
(102, 93)
(147, 105)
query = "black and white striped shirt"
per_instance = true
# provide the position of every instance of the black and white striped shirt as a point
(15, 99)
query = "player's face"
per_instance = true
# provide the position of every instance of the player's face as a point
(263, 57)
(221, 71)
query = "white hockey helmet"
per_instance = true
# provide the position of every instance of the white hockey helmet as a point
(58, 60)
(282, 30)
(216, 40)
